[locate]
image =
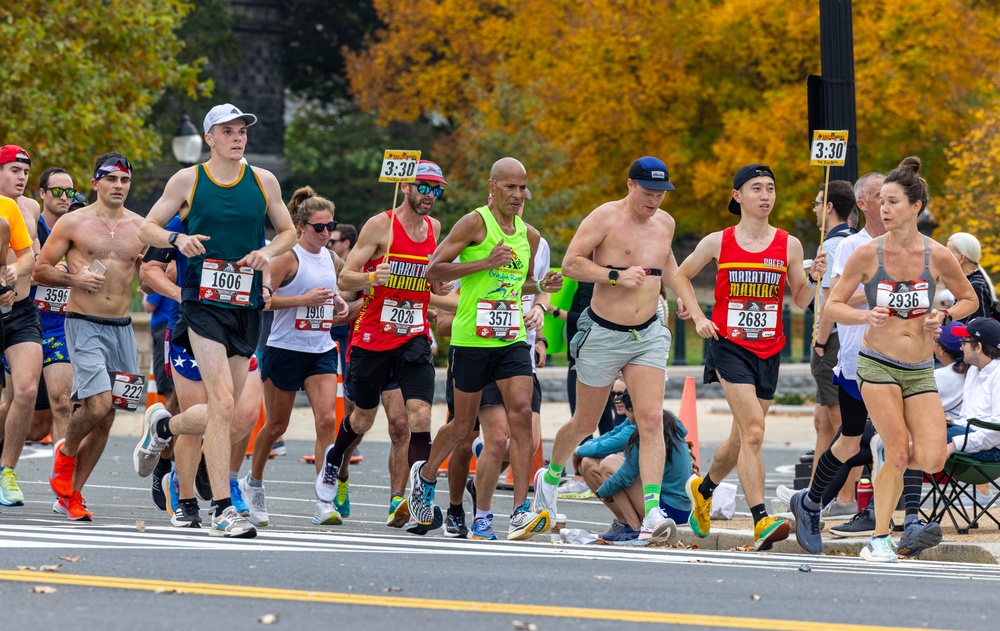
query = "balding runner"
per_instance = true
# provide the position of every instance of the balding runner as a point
(223, 204)
(624, 248)
(102, 250)
(496, 251)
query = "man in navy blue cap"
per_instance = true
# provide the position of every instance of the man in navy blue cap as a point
(624, 248)
(981, 347)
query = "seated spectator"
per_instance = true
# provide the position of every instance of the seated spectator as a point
(967, 250)
(622, 492)
(578, 487)
(981, 344)
(950, 377)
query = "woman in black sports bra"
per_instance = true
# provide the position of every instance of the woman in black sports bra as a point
(896, 365)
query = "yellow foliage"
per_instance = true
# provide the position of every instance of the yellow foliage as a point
(587, 86)
(80, 78)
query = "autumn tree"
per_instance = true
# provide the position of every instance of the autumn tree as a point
(80, 78)
(971, 200)
(708, 85)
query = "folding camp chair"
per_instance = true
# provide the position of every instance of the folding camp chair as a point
(955, 486)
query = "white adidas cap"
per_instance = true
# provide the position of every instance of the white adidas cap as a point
(225, 113)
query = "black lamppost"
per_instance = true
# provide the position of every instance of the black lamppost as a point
(187, 143)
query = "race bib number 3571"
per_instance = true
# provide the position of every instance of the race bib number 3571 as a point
(225, 282)
(498, 319)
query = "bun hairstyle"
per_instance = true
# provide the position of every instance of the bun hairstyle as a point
(305, 203)
(906, 176)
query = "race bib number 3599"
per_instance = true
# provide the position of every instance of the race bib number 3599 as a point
(225, 282)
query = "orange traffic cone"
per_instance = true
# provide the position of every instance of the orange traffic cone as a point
(256, 430)
(689, 416)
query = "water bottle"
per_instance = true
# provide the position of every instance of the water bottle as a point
(864, 494)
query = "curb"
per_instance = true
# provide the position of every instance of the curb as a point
(948, 551)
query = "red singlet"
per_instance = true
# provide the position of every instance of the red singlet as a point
(394, 313)
(749, 290)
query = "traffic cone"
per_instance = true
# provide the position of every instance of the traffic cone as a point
(256, 430)
(152, 394)
(689, 416)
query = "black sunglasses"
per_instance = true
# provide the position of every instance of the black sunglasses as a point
(57, 191)
(320, 227)
(424, 189)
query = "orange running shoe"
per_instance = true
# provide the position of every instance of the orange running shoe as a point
(77, 508)
(61, 478)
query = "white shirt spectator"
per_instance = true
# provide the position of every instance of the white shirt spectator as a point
(982, 401)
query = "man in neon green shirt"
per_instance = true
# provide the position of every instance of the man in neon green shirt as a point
(495, 251)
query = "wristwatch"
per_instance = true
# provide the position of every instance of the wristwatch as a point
(172, 239)
(613, 277)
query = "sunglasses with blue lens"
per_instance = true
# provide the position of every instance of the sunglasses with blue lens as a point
(424, 189)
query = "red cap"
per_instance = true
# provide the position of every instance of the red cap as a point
(9, 153)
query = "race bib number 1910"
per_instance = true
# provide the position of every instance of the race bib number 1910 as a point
(315, 318)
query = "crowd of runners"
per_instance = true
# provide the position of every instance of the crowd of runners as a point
(362, 303)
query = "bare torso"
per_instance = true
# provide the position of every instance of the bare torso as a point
(90, 240)
(631, 241)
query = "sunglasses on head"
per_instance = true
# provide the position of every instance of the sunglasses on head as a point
(58, 191)
(424, 189)
(320, 227)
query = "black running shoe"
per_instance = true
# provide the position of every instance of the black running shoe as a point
(455, 526)
(202, 486)
(861, 525)
(187, 515)
(160, 472)
(917, 537)
(470, 487)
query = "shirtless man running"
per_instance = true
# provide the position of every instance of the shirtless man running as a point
(624, 248)
(103, 252)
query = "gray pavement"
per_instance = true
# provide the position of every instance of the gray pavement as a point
(364, 575)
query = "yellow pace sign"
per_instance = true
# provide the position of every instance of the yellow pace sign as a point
(399, 166)
(829, 148)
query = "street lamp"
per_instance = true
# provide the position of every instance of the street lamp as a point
(187, 143)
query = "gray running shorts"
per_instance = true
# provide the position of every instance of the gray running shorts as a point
(99, 346)
(603, 348)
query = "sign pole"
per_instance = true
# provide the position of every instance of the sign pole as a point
(397, 166)
(829, 148)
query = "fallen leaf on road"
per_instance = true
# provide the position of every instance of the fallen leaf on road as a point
(392, 589)
(42, 589)
(50, 568)
(140, 525)
(70, 559)
(742, 549)
(268, 618)
(754, 596)
(720, 580)
(524, 626)
(168, 590)
(28, 568)
(601, 577)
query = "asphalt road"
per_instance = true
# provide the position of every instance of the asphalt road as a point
(115, 574)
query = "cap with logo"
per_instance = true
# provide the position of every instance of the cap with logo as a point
(429, 172)
(649, 172)
(985, 330)
(743, 176)
(10, 153)
(225, 113)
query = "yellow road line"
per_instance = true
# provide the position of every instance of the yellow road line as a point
(239, 591)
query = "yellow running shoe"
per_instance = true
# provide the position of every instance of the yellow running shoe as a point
(701, 508)
(769, 531)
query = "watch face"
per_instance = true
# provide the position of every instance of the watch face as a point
(613, 274)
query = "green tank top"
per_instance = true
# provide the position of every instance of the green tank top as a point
(489, 302)
(233, 216)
